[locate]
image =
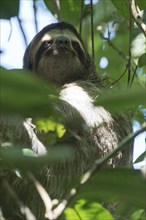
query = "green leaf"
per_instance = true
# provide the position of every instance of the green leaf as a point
(9, 8)
(60, 130)
(121, 5)
(52, 129)
(103, 11)
(83, 209)
(25, 160)
(28, 152)
(68, 11)
(112, 185)
(141, 157)
(50, 124)
(142, 60)
(139, 115)
(24, 94)
(51, 6)
(138, 46)
(138, 215)
(141, 4)
(118, 100)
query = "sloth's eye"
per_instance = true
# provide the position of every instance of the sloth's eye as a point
(47, 43)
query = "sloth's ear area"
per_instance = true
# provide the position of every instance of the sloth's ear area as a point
(29, 55)
(27, 62)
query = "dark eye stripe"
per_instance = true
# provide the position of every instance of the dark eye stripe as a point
(76, 46)
(79, 51)
(45, 44)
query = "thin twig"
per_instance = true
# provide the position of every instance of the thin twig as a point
(44, 196)
(50, 213)
(59, 209)
(21, 28)
(10, 30)
(117, 80)
(129, 63)
(1, 215)
(113, 46)
(81, 16)
(134, 74)
(92, 28)
(35, 15)
(121, 146)
(136, 17)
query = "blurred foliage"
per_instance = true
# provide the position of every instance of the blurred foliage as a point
(109, 181)
(122, 100)
(24, 94)
(26, 160)
(138, 215)
(9, 8)
(85, 209)
(123, 44)
(107, 186)
(67, 11)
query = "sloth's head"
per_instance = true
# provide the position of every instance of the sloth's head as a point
(57, 54)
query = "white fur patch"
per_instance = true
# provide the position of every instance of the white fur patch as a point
(76, 96)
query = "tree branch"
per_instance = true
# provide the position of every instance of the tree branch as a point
(136, 17)
(117, 80)
(113, 46)
(1, 215)
(44, 196)
(92, 28)
(100, 162)
(129, 49)
(21, 28)
(23, 209)
(50, 213)
(35, 17)
(81, 16)
(134, 74)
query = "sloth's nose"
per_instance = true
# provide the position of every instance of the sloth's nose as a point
(62, 41)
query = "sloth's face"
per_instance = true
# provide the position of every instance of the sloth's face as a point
(59, 57)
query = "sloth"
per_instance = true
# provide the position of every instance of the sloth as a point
(57, 55)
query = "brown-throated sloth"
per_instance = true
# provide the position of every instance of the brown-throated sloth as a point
(58, 55)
